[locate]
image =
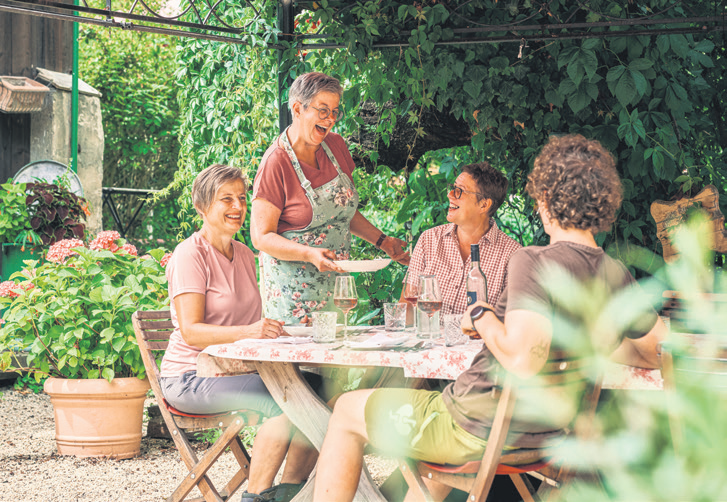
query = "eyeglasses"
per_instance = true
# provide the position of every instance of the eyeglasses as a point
(324, 113)
(458, 191)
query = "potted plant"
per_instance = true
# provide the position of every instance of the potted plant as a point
(37, 214)
(55, 213)
(16, 234)
(73, 312)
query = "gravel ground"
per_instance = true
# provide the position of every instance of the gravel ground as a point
(31, 469)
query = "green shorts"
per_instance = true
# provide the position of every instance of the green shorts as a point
(416, 424)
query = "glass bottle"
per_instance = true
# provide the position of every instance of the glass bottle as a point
(476, 280)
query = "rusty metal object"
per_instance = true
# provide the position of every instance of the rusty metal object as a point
(669, 214)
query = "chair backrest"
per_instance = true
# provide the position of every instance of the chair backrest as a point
(560, 371)
(152, 329)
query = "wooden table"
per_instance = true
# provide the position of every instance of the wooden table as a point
(278, 365)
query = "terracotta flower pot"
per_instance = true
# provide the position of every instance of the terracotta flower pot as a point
(95, 418)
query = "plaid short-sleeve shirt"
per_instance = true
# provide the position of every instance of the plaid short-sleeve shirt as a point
(437, 253)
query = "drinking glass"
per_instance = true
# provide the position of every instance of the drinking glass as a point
(411, 295)
(430, 299)
(345, 298)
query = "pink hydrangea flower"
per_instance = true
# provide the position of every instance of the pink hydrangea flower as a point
(61, 250)
(130, 249)
(106, 240)
(8, 289)
(165, 259)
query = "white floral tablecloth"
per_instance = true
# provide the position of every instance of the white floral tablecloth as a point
(440, 362)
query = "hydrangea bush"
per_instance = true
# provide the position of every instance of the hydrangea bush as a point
(73, 311)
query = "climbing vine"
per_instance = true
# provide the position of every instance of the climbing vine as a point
(656, 101)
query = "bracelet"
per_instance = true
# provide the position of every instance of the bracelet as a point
(381, 240)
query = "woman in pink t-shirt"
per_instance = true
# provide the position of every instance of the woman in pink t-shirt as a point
(215, 300)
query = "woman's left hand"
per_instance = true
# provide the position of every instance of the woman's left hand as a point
(395, 248)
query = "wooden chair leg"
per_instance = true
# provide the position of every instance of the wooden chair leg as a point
(417, 488)
(198, 471)
(524, 488)
(242, 457)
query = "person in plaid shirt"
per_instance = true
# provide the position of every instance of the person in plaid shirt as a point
(444, 251)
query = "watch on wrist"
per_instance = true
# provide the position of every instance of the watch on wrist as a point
(381, 240)
(478, 312)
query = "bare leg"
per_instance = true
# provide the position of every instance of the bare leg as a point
(302, 457)
(339, 466)
(271, 445)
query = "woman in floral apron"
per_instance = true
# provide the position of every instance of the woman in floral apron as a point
(304, 207)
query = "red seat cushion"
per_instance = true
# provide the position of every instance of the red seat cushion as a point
(474, 466)
(175, 411)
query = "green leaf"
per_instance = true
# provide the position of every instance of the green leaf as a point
(472, 88)
(615, 73)
(578, 101)
(640, 64)
(108, 374)
(118, 343)
(499, 63)
(662, 43)
(679, 45)
(626, 89)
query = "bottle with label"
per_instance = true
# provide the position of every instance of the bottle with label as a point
(476, 280)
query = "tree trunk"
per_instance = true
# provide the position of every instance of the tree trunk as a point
(442, 130)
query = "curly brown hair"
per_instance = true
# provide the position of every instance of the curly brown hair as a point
(576, 179)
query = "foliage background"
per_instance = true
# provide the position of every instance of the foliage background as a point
(134, 73)
(657, 102)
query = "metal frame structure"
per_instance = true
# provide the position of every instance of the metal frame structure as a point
(211, 26)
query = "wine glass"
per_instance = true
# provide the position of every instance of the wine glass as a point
(430, 299)
(345, 298)
(410, 293)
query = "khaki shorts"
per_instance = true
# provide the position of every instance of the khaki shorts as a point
(416, 424)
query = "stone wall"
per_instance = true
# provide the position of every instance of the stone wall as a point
(50, 139)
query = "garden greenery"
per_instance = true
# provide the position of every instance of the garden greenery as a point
(134, 73)
(653, 100)
(73, 311)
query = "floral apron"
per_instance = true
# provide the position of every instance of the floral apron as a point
(294, 289)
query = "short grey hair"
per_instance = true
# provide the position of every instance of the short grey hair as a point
(209, 181)
(306, 86)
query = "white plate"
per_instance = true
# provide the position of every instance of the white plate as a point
(379, 341)
(299, 330)
(363, 265)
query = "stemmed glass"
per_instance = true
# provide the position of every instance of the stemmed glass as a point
(411, 294)
(345, 298)
(430, 299)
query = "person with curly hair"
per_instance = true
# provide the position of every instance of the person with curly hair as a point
(577, 190)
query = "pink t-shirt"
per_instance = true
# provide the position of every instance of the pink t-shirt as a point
(277, 182)
(231, 293)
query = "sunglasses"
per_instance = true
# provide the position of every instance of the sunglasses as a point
(324, 113)
(457, 191)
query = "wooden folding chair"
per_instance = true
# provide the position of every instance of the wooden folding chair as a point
(697, 367)
(476, 477)
(153, 329)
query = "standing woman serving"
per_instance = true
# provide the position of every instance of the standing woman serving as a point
(305, 205)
